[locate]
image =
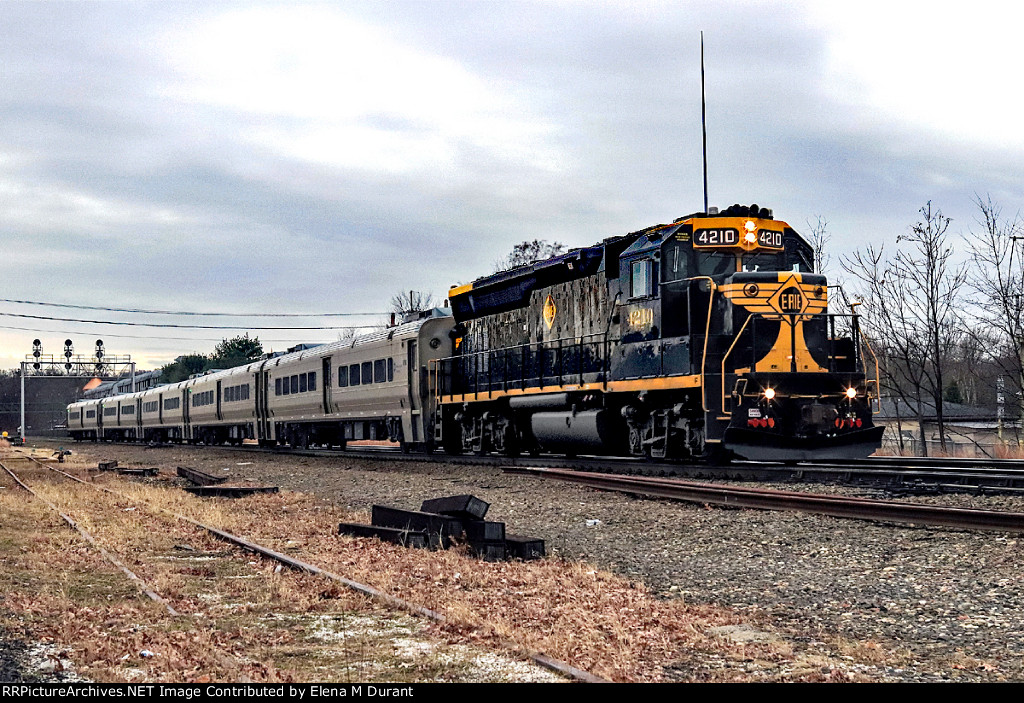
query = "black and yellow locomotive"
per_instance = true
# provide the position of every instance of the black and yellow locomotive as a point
(705, 338)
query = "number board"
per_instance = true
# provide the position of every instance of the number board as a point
(769, 239)
(730, 237)
(716, 237)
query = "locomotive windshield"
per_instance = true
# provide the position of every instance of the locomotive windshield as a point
(680, 261)
(715, 263)
(764, 261)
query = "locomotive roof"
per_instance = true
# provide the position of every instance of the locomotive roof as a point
(507, 290)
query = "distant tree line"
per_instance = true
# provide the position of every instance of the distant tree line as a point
(229, 353)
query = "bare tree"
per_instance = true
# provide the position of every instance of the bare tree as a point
(912, 302)
(527, 252)
(937, 307)
(838, 302)
(893, 334)
(348, 334)
(997, 281)
(820, 238)
(411, 301)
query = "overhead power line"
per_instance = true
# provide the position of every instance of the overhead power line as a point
(144, 311)
(176, 326)
(148, 336)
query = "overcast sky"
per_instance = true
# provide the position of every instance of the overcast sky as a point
(313, 158)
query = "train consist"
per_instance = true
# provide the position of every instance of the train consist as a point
(374, 387)
(702, 339)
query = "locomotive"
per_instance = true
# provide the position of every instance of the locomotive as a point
(699, 340)
(702, 339)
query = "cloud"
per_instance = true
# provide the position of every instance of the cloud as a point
(312, 83)
(235, 156)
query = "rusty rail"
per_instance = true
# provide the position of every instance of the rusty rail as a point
(150, 593)
(560, 667)
(768, 499)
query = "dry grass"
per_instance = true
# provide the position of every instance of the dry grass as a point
(572, 611)
(1010, 451)
(244, 618)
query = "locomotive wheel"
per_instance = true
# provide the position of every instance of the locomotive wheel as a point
(503, 435)
(452, 442)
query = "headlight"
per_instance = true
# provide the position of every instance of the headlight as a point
(769, 393)
(851, 393)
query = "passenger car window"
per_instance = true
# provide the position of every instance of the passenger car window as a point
(367, 371)
(353, 375)
(380, 372)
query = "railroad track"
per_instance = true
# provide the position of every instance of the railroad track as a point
(635, 476)
(898, 474)
(88, 536)
(770, 499)
(248, 545)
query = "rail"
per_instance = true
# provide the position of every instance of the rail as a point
(539, 658)
(768, 499)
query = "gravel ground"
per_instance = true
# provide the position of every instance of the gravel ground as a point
(12, 660)
(923, 604)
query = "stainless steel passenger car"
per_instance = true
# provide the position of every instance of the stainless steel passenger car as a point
(373, 387)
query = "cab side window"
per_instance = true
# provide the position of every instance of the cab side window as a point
(641, 279)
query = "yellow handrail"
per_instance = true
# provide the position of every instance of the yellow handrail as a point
(724, 358)
(707, 333)
(876, 379)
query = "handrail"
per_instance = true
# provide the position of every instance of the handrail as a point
(878, 376)
(490, 357)
(707, 335)
(575, 340)
(735, 341)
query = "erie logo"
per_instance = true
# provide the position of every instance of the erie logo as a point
(549, 311)
(791, 301)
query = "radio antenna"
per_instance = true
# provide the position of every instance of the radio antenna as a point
(703, 122)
